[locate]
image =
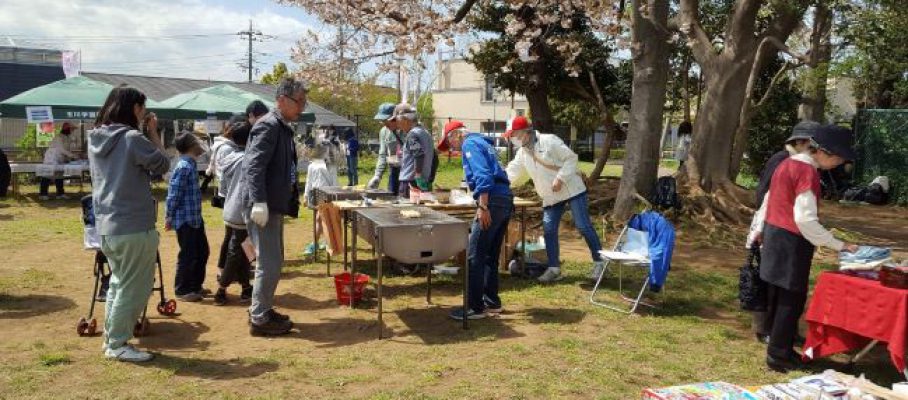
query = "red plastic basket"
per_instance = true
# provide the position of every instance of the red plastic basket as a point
(342, 287)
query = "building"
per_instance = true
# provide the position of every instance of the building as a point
(463, 93)
(22, 69)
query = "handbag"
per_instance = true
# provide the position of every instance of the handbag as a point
(752, 291)
(217, 201)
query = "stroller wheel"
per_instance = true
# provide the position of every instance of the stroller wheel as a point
(168, 308)
(92, 327)
(82, 327)
(141, 328)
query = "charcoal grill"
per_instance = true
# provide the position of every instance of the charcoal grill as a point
(328, 194)
(430, 238)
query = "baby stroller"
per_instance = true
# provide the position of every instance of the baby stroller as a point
(88, 326)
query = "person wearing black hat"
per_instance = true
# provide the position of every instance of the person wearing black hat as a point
(790, 231)
(799, 141)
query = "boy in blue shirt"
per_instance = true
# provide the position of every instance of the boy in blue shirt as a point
(494, 207)
(184, 214)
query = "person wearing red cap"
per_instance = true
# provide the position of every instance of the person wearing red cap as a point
(58, 153)
(494, 206)
(553, 168)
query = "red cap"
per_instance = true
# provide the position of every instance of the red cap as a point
(449, 127)
(519, 123)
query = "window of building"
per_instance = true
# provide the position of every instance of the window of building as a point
(520, 112)
(493, 126)
(488, 92)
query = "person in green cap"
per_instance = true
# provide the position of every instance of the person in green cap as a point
(389, 145)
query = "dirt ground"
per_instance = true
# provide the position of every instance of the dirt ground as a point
(550, 343)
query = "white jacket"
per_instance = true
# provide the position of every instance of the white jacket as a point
(550, 150)
(58, 151)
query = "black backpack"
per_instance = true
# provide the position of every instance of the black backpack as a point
(875, 195)
(665, 193)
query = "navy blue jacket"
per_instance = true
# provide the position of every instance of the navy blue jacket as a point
(481, 168)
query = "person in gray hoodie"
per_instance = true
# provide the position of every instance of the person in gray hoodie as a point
(123, 160)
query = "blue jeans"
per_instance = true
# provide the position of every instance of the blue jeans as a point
(482, 254)
(551, 218)
(352, 174)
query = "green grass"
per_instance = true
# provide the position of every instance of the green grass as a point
(551, 344)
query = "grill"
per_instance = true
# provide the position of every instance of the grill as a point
(432, 237)
(329, 194)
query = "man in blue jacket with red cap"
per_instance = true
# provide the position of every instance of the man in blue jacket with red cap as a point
(494, 207)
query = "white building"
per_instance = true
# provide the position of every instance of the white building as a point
(463, 93)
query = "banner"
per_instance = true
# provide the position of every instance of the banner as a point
(39, 114)
(44, 134)
(72, 63)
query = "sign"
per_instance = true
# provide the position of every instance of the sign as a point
(44, 134)
(39, 114)
(81, 114)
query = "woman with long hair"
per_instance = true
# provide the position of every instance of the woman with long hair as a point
(123, 159)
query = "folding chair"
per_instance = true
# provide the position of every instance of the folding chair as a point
(631, 256)
(632, 249)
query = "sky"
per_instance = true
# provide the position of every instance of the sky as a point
(178, 38)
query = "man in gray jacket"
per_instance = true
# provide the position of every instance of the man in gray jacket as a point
(271, 192)
(418, 152)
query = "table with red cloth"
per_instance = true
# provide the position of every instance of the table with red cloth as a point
(848, 313)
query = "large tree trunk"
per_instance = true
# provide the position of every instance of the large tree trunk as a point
(685, 79)
(813, 104)
(707, 181)
(608, 122)
(537, 93)
(641, 161)
(709, 161)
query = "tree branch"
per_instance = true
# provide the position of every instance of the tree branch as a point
(698, 40)
(463, 11)
(595, 84)
(741, 25)
(784, 48)
(775, 80)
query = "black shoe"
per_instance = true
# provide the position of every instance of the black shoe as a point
(220, 298)
(271, 327)
(791, 363)
(279, 316)
(246, 295)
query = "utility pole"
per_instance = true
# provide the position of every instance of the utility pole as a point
(251, 35)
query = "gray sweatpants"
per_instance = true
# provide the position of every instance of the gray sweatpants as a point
(269, 247)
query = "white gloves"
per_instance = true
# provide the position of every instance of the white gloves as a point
(259, 214)
(373, 183)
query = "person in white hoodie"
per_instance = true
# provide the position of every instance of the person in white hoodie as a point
(318, 175)
(553, 167)
(59, 152)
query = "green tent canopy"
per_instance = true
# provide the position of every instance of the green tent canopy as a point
(73, 98)
(222, 101)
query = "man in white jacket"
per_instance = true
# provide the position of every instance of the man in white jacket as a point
(553, 168)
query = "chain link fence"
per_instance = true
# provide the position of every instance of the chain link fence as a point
(881, 142)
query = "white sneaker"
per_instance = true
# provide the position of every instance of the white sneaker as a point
(598, 269)
(62, 197)
(128, 353)
(43, 198)
(550, 275)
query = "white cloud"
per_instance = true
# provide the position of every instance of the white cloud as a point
(114, 35)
